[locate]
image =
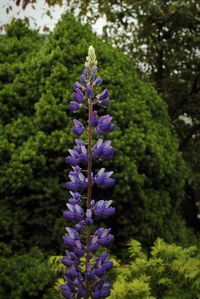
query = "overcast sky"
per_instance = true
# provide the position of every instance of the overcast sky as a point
(37, 16)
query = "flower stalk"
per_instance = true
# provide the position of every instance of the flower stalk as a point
(82, 240)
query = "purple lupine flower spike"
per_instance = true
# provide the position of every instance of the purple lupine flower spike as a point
(81, 239)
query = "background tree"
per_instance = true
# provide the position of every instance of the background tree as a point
(162, 39)
(34, 131)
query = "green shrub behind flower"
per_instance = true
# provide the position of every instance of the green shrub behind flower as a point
(170, 272)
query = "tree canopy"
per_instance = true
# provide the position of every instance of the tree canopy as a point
(35, 133)
(162, 39)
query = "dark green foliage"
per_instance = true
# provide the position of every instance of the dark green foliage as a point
(171, 272)
(27, 276)
(35, 135)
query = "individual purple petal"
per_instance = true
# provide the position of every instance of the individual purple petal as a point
(102, 98)
(78, 96)
(74, 106)
(72, 186)
(75, 212)
(72, 274)
(86, 71)
(94, 244)
(102, 178)
(98, 131)
(94, 119)
(108, 182)
(89, 272)
(72, 233)
(66, 291)
(102, 209)
(79, 249)
(72, 160)
(105, 122)
(102, 289)
(75, 199)
(105, 291)
(104, 236)
(92, 78)
(75, 195)
(103, 150)
(104, 103)
(66, 261)
(78, 85)
(89, 91)
(78, 128)
(82, 80)
(98, 81)
(104, 125)
(104, 241)
(94, 68)
(69, 242)
(80, 226)
(88, 219)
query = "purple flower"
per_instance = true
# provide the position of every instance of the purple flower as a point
(75, 212)
(102, 289)
(98, 81)
(86, 71)
(79, 250)
(66, 292)
(78, 96)
(72, 239)
(82, 80)
(80, 226)
(92, 77)
(69, 259)
(94, 244)
(102, 208)
(88, 219)
(81, 239)
(103, 150)
(89, 90)
(78, 128)
(94, 119)
(105, 125)
(103, 179)
(72, 160)
(102, 264)
(77, 85)
(82, 151)
(103, 98)
(78, 154)
(77, 180)
(89, 272)
(74, 106)
(75, 199)
(104, 236)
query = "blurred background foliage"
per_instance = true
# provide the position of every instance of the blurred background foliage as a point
(155, 162)
(169, 272)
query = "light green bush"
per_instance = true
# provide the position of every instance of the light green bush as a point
(170, 272)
